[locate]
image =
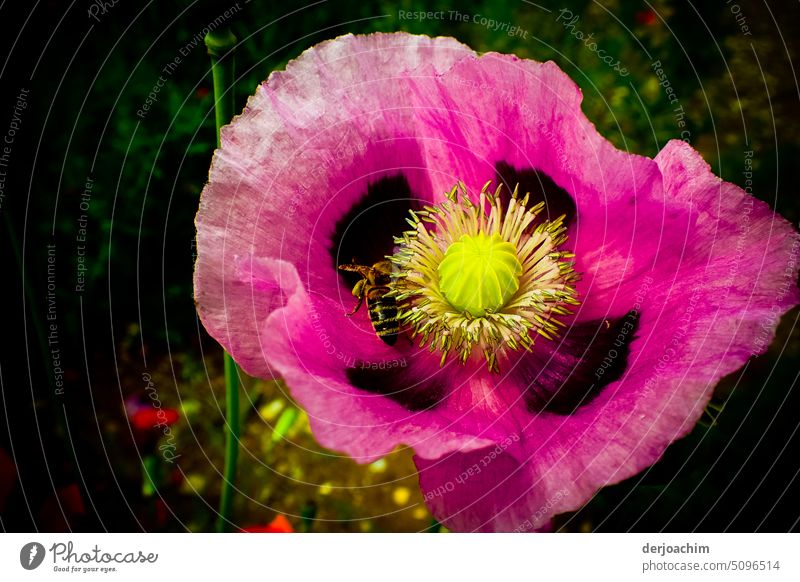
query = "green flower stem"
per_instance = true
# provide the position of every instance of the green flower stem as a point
(231, 441)
(220, 44)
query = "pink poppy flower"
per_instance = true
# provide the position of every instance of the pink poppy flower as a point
(571, 332)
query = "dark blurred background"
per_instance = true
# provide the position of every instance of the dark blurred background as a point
(98, 203)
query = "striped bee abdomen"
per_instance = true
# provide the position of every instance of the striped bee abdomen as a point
(375, 284)
(383, 315)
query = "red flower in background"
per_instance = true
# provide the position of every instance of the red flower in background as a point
(144, 415)
(646, 17)
(62, 510)
(278, 525)
(148, 418)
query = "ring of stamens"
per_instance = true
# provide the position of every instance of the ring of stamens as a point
(545, 284)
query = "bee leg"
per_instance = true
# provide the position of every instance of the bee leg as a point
(362, 270)
(358, 291)
(357, 307)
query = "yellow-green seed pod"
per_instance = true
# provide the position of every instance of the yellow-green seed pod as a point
(479, 273)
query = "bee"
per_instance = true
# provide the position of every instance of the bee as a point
(373, 287)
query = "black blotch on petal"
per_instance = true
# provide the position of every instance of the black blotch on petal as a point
(542, 189)
(364, 234)
(397, 384)
(570, 375)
